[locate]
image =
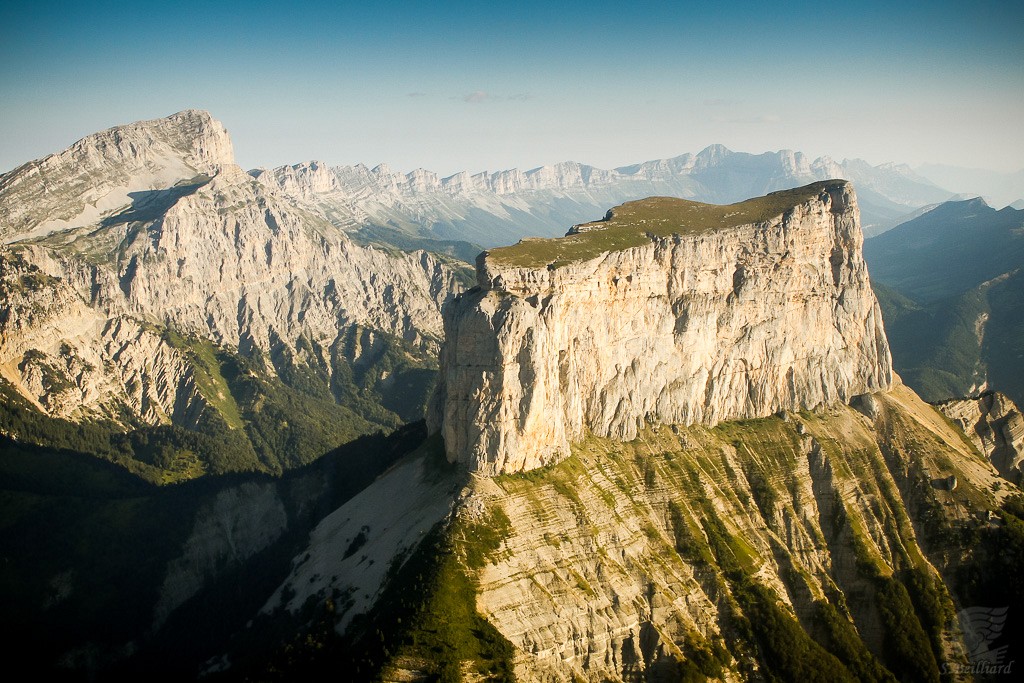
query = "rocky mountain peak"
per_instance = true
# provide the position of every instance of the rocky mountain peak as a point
(978, 202)
(205, 138)
(307, 180)
(99, 173)
(151, 226)
(995, 425)
(712, 154)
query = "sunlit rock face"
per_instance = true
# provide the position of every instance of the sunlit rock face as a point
(152, 226)
(108, 169)
(728, 321)
(995, 425)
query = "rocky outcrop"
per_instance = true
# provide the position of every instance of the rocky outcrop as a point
(995, 425)
(669, 311)
(605, 575)
(265, 267)
(726, 550)
(306, 180)
(107, 170)
(73, 361)
(197, 246)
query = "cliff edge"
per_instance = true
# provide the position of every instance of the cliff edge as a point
(668, 310)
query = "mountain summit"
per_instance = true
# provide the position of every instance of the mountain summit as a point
(667, 311)
(697, 464)
(100, 172)
(142, 258)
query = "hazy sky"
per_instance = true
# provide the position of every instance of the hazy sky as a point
(474, 86)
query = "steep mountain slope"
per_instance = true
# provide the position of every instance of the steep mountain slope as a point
(824, 545)
(832, 543)
(493, 209)
(995, 426)
(951, 287)
(816, 541)
(105, 171)
(948, 250)
(162, 305)
(1002, 189)
(106, 577)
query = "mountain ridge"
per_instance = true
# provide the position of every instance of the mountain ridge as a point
(81, 183)
(173, 269)
(951, 281)
(498, 207)
(700, 463)
(490, 208)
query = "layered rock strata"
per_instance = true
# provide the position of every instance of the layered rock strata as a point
(667, 311)
(152, 226)
(995, 425)
(106, 170)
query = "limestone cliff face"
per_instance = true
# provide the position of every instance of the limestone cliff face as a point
(686, 326)
(237, 263)
(163, 230)
(640, 561)
(73, 361)
(995, 425)
(602, 577)
(307, 180)
(100, 172)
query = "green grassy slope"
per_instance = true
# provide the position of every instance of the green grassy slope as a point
(632, 224)
(804, 553)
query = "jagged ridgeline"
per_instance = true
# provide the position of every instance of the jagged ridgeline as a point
(164, 310)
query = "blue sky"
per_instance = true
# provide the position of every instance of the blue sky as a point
(474, 86)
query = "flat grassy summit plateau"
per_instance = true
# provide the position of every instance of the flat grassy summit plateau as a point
(634, 224)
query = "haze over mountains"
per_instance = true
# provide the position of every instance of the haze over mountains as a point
(421, 209)
(950, 284)
(667, 446)
(1001, 189)
(496, 208)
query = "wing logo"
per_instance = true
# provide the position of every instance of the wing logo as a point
(982, 627)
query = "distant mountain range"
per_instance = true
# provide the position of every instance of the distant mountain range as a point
(421, 209)
(951, 286)
(457, 215)
(1000, 189)
(102, 215)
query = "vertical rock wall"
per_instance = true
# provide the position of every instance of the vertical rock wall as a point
(722, 323)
